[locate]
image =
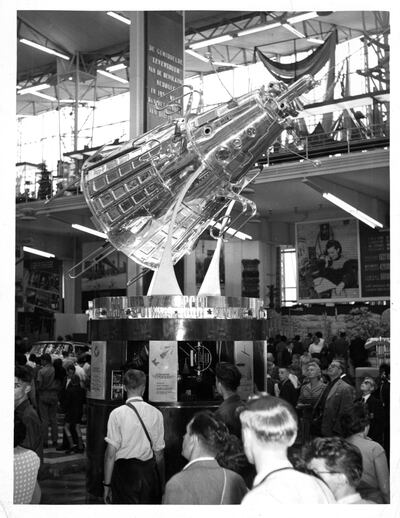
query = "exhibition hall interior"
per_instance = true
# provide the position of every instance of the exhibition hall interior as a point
(202, 228)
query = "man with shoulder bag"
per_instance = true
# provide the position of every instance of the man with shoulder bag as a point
(134, 458)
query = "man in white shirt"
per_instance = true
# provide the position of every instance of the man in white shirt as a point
(339, 464)
(269, 428)
(134, 458)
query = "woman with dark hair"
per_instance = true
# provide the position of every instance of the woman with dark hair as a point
(26, 467)
(203, 480)
(341, 271)
(374, 484)
(73, 400)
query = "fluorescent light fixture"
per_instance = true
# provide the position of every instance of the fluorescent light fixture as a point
(344, 205)
(338, 104)
(315, 40)
(301, 17)
(89, 230)
(119, 17)
(231, 231)
(212, 41)
(30, 89)
(118, 66)
(44, 49)
(197, 55)
(352, 210)
(293, 30)
(112, 76)
(37, 252)
(259, 29)
(225, 64)
(45, 96)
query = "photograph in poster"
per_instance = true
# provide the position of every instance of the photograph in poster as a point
(328, 260)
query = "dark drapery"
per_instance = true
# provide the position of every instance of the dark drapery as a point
(290, 72)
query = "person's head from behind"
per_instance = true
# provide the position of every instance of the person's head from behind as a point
(313, 370)
(81, 360)
(22, 384)
(20, 359)
(367, 385)
(333, 249)
(356, 421)
(45, 359)
(135, 382)
(19, 431)
(205, 436)
(75, 380)
(33, 358)
(70, 369)
(337, 462)
(297, 338)
(267, 423)
(57, 364)
(227, 377)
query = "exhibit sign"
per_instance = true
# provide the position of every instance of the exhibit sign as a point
(342, 260)
(42, 284)
(98, 370)
(328, 263)
(117, 386)
(163, 66)
(163, 371)
(375, 262)
(243, 357)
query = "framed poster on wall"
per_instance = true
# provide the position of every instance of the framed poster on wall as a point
(328, 261)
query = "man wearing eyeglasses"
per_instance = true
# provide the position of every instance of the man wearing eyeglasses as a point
(339, 464)
(336, 400)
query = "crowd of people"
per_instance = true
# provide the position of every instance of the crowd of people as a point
(255, 452)
(309, 438)
(44, 389)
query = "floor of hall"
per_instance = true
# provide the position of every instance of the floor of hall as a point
(63, 477)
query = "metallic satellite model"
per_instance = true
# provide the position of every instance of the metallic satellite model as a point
(132, 190)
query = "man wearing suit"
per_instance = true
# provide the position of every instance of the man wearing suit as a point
(374, 408)
(336, 400)
(285, 389)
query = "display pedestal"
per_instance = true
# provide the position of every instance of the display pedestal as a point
(115, 321)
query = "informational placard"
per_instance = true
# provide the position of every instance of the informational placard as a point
(42, 284)
(375, 262)
(328, 264)
(243, 356)
(163, 64)
(98, 370)
(117, 386)
(163, 371)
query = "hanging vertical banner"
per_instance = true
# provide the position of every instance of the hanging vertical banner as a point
(98, 370)
(243, 356)
(327, 260)
(163, 65)
(375, 262)
(163, 371)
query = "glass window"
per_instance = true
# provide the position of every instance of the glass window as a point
(288, 276)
